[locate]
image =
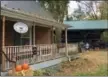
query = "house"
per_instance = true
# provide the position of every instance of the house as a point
(37, 44)
(85, 30)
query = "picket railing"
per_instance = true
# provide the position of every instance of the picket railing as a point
(31, 54)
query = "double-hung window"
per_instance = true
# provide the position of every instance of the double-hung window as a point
(25, 38)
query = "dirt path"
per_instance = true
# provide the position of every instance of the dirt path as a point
(88, 62)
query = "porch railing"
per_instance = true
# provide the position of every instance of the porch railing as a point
(31, 54)
(71, 48)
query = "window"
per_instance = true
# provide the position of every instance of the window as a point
(25, 38)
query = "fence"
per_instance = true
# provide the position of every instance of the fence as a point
(71, 48)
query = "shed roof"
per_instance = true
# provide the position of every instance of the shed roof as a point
(87, 24)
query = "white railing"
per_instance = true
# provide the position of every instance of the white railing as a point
(32, 54)
(72, 49)
(21, 54)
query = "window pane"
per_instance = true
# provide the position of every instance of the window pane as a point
(26, 34)
(25, 41)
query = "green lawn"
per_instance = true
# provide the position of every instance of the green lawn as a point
(89, 64)
(101, 71)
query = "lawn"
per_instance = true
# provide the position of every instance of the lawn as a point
(101, 71)
(93, 63)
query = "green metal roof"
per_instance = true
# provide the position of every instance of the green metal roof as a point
(87, 24)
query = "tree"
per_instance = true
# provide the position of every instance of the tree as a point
(94, 9)
(78, 14)
(104, 36)
(58, 9)
(89, 8)
(103, 9)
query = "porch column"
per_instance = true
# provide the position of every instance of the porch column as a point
(52, 34)
(34, 34)
(3, 43)
(66, 42)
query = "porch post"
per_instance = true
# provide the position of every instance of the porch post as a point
(3, 43)
(52, 35)
(34, 34)
(66, 42)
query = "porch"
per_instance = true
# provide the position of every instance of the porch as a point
(36, 54)
(35, 46)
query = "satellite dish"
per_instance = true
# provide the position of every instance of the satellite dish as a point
(20, 27)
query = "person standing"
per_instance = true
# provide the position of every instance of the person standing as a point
(87, 46)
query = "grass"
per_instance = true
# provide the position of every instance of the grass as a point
(101, 71)
(89, 64)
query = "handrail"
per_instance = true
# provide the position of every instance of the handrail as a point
(7, 57)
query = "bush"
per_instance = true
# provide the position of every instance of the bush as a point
(39, 73)
(104, 36)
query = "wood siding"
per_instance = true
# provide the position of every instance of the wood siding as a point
(43, 35)
(9, 36)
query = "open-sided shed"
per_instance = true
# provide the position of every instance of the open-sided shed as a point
(85, 30)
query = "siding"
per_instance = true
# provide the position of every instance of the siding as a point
(9, 35)
(43, 35)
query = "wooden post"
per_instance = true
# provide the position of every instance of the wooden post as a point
(66, 42)
(34, 35)
(3, 43)
(52, 35)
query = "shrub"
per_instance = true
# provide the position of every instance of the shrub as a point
(38, 73)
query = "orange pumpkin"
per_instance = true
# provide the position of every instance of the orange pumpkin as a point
(18, 68)
(25, 66)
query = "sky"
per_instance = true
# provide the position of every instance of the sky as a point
(72, 6)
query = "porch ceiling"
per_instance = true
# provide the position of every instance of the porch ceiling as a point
(21, 15)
